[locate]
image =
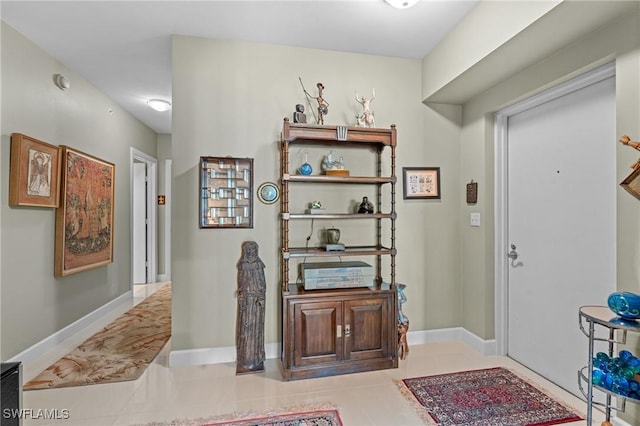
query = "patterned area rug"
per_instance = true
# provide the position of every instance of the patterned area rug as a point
(323, 414)
(493, 396)
(120, 352)
(314, 418)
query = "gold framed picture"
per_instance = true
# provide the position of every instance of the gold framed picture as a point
(34, 172)
(84, 221)
(632, 183)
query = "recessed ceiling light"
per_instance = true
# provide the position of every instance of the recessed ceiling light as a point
(402, 4)
(159, 104)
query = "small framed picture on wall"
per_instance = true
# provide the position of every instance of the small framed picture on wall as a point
(421, 182)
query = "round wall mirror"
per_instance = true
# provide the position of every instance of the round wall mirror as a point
(268, 192)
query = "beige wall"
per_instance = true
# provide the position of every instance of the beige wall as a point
(230, 99)
(619, 42)
(616, 39)
(34, 304)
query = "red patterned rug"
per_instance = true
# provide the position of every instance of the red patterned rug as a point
(313, 418)
(320, 414)
(493, 396)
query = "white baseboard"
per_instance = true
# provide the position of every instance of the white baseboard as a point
(57, 340)
(455, 334)
(220, 355)
(618, 422)
(164, 277)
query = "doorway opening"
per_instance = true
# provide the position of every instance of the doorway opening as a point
(143, 223)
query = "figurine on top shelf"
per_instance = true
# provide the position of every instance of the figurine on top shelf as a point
(366, 119)
(299, 116)
(323, 105)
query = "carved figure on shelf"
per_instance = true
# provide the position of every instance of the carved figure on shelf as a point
(299, 116)
(251, 306)
(366, 119)
(333, 161)
(365, 206)
(323, 105)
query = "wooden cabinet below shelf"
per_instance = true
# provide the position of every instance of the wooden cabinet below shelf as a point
(332, 332)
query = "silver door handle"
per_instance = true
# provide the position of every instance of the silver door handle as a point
(513, 254)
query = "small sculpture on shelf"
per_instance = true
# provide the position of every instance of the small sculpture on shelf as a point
(365, 206)
(333, 164)
(366, 119)
(323, 105)
(299, 116)
(315, 207)
(251, 306)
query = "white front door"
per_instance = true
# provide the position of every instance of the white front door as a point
(562, 222)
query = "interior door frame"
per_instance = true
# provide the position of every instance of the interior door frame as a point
(501, 243)
(152, 229)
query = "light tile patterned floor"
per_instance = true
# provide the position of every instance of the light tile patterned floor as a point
(165, 394)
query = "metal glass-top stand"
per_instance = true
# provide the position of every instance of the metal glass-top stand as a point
(588, 317)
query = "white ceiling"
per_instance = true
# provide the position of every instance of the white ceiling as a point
(124, 47)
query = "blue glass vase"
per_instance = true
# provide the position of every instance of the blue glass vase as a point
(625, 304)
(306, 169)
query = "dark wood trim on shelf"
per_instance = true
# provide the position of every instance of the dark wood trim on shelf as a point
(359, 216)
(297, 252)
(338, 179)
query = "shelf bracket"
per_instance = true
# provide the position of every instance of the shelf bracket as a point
(341, 133)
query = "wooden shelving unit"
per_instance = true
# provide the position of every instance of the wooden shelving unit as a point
(345, 330)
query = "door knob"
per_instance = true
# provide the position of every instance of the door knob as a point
(513, 254)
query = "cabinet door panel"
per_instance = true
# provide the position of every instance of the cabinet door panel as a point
(316, 338)
(368, 322)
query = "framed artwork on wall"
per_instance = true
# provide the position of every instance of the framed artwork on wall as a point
(421, 182)
(226, 192)
(34, 172)
(632, 183)
(84, 220)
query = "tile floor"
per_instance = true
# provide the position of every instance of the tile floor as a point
(163, 394)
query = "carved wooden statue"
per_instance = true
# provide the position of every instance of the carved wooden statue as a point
(626, 140)
(250, 320)
(403, 323)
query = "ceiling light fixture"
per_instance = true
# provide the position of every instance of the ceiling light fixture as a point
(402, 4)
(159, 104)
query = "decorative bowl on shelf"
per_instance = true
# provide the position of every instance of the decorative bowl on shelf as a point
(625, 304)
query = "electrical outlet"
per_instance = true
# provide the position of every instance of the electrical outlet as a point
(475, 219)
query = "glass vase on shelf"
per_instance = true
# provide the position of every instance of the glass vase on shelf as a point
(305, 168)
(365, 206)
